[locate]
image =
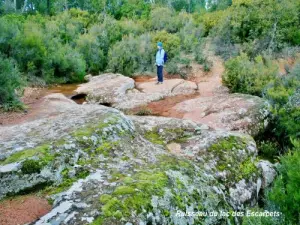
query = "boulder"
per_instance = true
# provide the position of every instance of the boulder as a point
(106, 88)
(102, 166)
(169, 87)
(120, 92)
(268, 172)
(231, 112)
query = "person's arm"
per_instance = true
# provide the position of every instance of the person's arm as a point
(162, 56)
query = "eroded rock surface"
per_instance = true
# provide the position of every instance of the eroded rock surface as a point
(120, 92)
(215, 108)
(231, 112)
(99, 165)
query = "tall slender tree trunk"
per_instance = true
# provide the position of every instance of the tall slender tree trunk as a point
(66, 4)
(24, 6)
(15, 5)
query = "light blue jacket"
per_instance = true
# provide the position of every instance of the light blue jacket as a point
(160, 57)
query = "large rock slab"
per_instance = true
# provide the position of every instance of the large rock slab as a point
(100, 165)
(231, 112)
(106, 88)
(169, 87)
(122, 93)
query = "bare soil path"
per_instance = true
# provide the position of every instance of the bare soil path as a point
(23, 209)
(209, 84)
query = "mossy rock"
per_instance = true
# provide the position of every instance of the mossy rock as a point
(42, 152)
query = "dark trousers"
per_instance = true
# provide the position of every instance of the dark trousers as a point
(160, 76)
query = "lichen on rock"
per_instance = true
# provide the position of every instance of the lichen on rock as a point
(99, 166)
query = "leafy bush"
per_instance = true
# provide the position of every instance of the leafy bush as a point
(130, 27)
(144, 112)
(285, 192)
(71, 24)
(9, 30)
(10, 81)
(250, 77)
(65, 65)
(279, 91)
(207, 66)
(135, 9)
(132, 55)
(284, 94)
(90, 48)
(201, 57)
(179, 65)
(172, 67)
(164, 19)
(268, 149)
(190, 36)
(29, 49)
(257, 26)
(171, 42)
(30, 166)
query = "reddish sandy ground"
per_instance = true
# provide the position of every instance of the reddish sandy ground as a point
(163, 107)
(32, 99)
(23, 209)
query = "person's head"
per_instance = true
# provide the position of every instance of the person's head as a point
(159, 45)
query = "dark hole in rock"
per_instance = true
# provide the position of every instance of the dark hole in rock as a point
(79, 99)
(106, 104)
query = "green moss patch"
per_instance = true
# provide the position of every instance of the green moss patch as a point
(91, 129)
(106, 148)
(135, 192)
(229, 143)
(154, 137)
(135, 195)
(228, 160)
(42, 152)
(176, 135)
(30, 166)
(66, 183)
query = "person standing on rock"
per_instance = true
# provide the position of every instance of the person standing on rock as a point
(159, 62)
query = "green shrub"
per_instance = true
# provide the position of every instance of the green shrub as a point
(171, 42)
(172, 66)
(284, 95)
(30, 166)
(9, 30)
(207, 66)
(246, 76)
(257, 26)
(135, 9)
(89, 47)
(29, 49)
(164, 19)
(179, 65)
(131, 27)
(132, 55)
(268, 149)
(144, 112)
(190, 36)
(280, 90)
(65, 65)
(71, 24)
(285, 192)
(10, 81)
